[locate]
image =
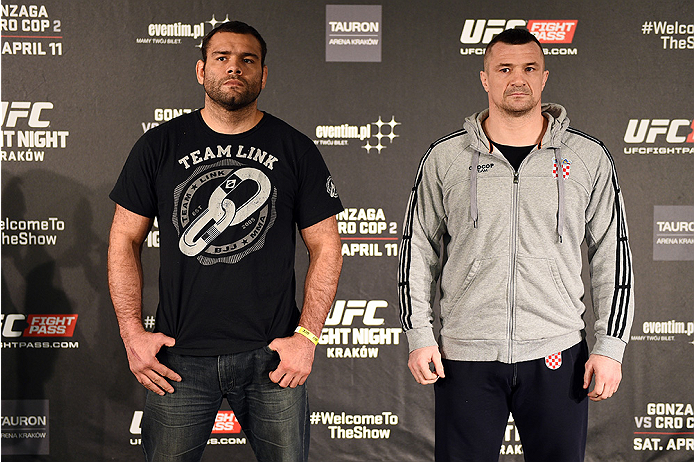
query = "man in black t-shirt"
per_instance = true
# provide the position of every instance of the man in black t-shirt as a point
(229, 185)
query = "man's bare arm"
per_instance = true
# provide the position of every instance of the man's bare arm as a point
(325, 263)
(128, 232)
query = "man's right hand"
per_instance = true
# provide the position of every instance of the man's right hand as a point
(419, 364)
(142, 349)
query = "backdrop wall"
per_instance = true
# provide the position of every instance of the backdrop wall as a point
(373, 85)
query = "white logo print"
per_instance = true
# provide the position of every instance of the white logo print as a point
(330, 187)
(340, 135)
(379, 135)
(223, 212)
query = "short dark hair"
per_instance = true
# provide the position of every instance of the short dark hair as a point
(513, 37)
(235, 27)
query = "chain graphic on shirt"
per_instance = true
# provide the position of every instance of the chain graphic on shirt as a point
(223, 212)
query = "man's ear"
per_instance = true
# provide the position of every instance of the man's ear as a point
(483, 79)
(200, 71)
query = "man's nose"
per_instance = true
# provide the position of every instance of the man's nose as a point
(233, 68)
(518, 77)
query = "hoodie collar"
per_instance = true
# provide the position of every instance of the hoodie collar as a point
(556, 116)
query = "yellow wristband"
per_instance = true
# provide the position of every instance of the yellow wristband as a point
(307, 333)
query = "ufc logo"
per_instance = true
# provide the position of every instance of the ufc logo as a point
(8, 324)
(136, 423)
(12, 112)
(344, 312)
(483, 31)
(648, 130)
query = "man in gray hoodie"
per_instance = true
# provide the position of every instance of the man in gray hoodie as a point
(498, 215)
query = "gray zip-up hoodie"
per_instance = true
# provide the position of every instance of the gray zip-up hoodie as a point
(506, 247)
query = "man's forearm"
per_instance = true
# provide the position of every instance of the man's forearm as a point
(128, 231)
(125, 285)
(325, 263)
(320, 288)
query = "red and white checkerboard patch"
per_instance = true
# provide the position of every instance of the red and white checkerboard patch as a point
(553, 361)
(565, 167)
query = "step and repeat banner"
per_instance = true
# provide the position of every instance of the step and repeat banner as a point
(373, 85)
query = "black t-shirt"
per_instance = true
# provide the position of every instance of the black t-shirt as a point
(228, 207)
(514, 154)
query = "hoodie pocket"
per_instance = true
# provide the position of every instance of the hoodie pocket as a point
(477, 310)
(543, 307)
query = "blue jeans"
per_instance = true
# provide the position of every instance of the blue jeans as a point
(176, 426)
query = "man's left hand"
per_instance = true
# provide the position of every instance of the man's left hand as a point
(608, 374)
(296, 359)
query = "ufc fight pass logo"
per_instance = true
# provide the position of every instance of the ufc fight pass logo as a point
(38, 325)
(549, 31)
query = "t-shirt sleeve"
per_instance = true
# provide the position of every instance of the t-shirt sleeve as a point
(135, 188)
(317, 198)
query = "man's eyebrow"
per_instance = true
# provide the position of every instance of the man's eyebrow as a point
(533, 63)
(224, 52)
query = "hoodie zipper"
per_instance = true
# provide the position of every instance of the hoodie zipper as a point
(512, 279)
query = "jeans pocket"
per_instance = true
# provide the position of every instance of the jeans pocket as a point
(269, 350)
(267, 360)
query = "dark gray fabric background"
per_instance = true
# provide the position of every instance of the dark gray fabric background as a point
(106, 88)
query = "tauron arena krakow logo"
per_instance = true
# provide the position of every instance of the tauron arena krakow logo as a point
(223, 212)
(353, 33)
(673, 232)
(548, 32)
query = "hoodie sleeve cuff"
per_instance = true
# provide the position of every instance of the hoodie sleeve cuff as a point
(420, 338)
(612, 347)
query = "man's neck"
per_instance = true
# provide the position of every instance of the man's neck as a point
(510, 130)
(228, 122)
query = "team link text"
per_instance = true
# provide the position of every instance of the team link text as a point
(252, 153)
